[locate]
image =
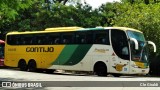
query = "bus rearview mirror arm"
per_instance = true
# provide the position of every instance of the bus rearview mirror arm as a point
(153, 44)
(135, 42)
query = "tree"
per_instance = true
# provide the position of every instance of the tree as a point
(108, 12)
(61, 1)
(9, 10)
(141, 1)
(146, 1)
(140, 16)
(41, 15)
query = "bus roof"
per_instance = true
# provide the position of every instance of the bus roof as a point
(63, 28)
(69, 29)
(112, 28)
(123, 28)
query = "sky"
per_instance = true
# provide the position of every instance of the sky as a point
(97, 3)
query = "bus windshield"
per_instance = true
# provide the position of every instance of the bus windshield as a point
(141, 54)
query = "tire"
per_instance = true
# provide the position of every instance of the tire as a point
(101, 69)
(116, 75)
(22, 65)
(32, 66)
(50, 71)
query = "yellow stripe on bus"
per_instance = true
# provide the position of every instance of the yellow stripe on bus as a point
(43, 54)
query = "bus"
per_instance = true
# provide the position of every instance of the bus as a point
(2, 43)
(100, 50)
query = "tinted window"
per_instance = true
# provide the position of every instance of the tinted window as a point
(120, 43)
(89, 37)
(80, 38)
(13, 39)
(101, 37)
(67, 38)
(53, 38)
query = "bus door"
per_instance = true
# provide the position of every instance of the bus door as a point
(120, 60)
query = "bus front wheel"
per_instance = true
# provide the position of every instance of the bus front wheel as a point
(50, 71)
(32, 66)
(116, 75)
(22, 65)
(100, 69)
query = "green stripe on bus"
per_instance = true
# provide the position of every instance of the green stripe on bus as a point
(65, 55)
(79, 54)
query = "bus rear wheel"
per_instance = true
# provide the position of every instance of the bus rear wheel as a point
(32, 66)
(22, 65)
(100, 69)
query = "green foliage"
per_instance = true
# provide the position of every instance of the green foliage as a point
(40, 16)
(22, 15)
(108, 12)
(140, 16)
(8, 12)
(141, 1)
(9, 8)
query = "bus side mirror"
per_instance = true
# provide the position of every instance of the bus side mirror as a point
(153, 44)
(135, 42)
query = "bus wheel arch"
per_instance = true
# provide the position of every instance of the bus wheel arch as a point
(32, 65)
(22, 65)
(100, 68)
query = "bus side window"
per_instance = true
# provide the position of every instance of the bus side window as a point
(89, 37)
(28, 39)
(65, 41)
(11, 39)
(23, 42)
(56, 41)
(101, 37)
(47, 40)
(52, 39)
(38, 41)
(20, 40)
(42, 40)
(34, 40)
(80, 38)
(17, 40)
(83, 40)
(67, 38)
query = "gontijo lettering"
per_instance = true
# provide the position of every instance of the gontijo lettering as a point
(40, 49)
